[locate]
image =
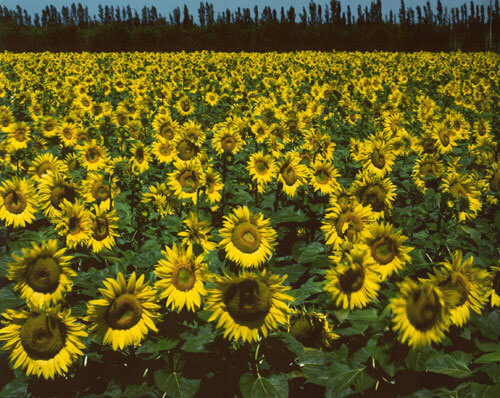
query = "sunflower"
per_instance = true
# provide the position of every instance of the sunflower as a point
(164, 126)
(103, 226)
(187, 179)
(469, 282)
(96, 189)
(193, 132)
(260, 130)
(126, 313)
(17, 202)
(421, 313)
(248, 239)
(181, 278)
(141, 156)
(42, 274)
(73, 222)
(262, 169)
(377, 192)
(354, 281)
(44, 163)
(386, 248)
(43, 342)
(185, 148)
(161, 197)
(184, 106)
(292, 174)
(6, 119)
(197, 233)
(495, 287)
(428, 171)
(247, 304)
(346, 223)
(164, 150)
(19, 136)
(323, 177)
(68, 134)
(464, 195)
(53, 189)
(444, 137)
(93, 156)
(49, 126)
(227, 140)
(311, 329)
(212, 98)
(377, 157)
(213, 186)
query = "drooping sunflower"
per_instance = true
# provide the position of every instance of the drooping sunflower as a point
(248, 305)
(354, 281)
(127, 312)
(141, 157)
(292, 174)
(103, 226)
(386, 248)
(247, 238)
(311, 329)
(377, 192)
(197, 233)
(17, 202)
(181, 277)
(42, 274)
(469, 282)
(428, 171)
(262, 169)
(346, 223)
(53, 189)
(74, 223)
(465, 195)
(186, 179)
(213, 186)
(42, 342)
(421, 313)
(227, 140)
(324, 176)
(93, 156)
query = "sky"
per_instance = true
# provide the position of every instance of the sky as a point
(164, 7)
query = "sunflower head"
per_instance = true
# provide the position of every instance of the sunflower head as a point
(124, 312)
(42, 336)
(311, 329)
(424, 307)
(248, 302)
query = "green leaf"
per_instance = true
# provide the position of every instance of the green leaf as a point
(288, 215)
(8, 299)
(485, 390)
(197, 343)
(496, 221)
(17, 387)
(262, 387)
(175, 385)
(454, 364)
(310, 252)
(340, 383)
(155, 347)
(490, 357)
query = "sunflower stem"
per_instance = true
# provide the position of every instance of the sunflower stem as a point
(256, 360)
(277, 198)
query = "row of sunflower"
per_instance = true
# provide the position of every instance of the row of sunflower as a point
(103, 151)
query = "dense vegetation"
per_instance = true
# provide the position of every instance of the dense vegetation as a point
(317, 27)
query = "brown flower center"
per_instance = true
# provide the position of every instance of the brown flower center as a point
(373, 195)
(322, 176)
(92, 155)
(289, 176)
(183, 277)
(228, 143)
(43, 275)
(384, 250)
(186, 150)
(100, 228)
(248, 302)
(352, 280)
(378, 158)
(100, 191)
(124, 312)
(15, 202)
(261, 167)
(42, 337)
(423, 309)
(60, 192)
(246, 237)
(189, 181)
(348, 225)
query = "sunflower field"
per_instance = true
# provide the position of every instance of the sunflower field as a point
(249, 225)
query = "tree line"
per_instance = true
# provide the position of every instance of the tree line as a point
(469, 27)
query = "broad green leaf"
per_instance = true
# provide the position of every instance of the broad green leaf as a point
(454, 364)
(274, 387)
(288, 215)
(17, 387)
(490, 357)
(310, 252)
(340, 383)
(175, 385)
(155, 347)
(197, 343)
